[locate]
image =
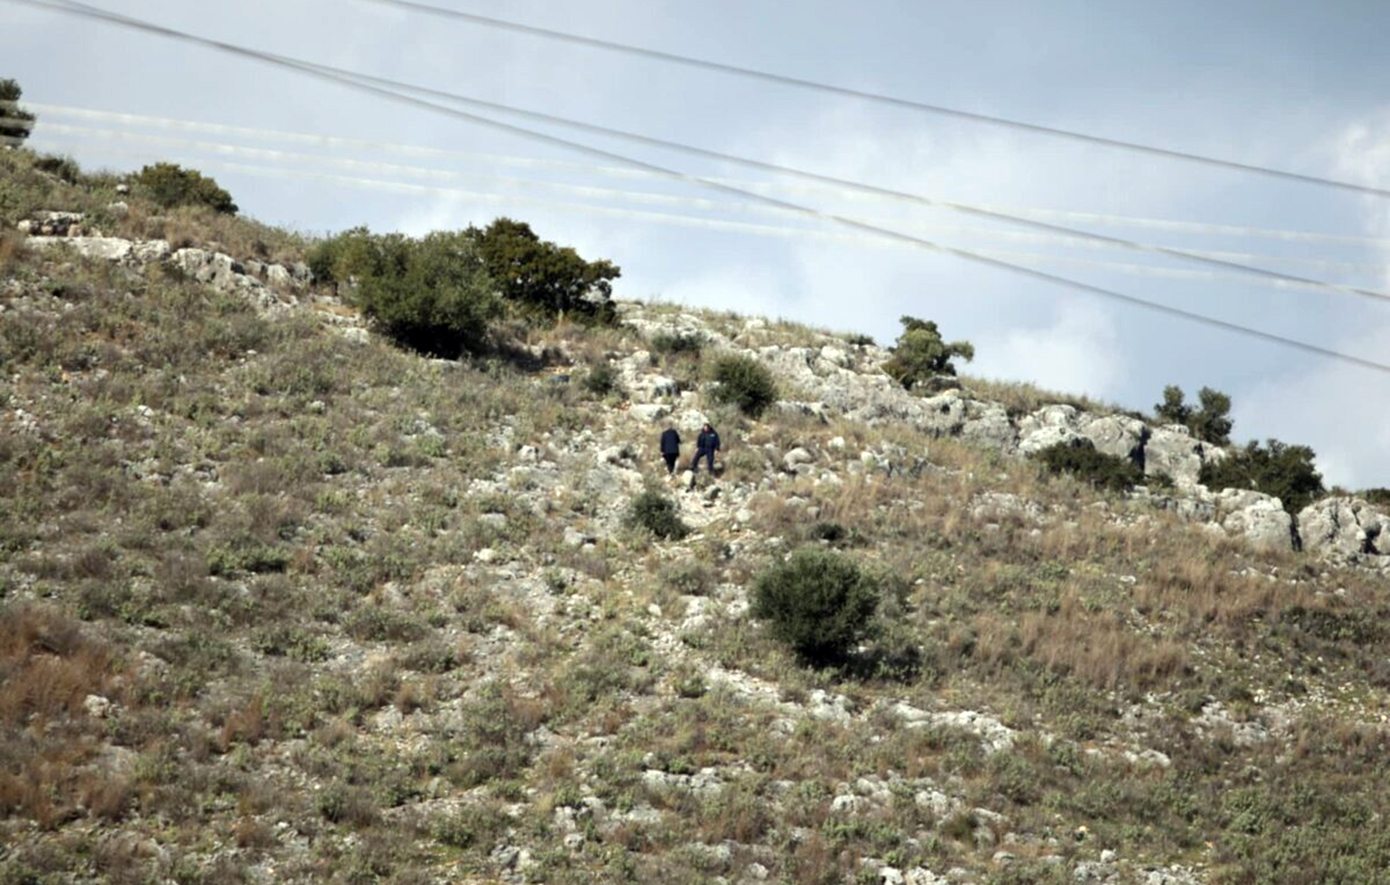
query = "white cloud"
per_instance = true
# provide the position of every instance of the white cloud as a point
(1078, 353)
(1339, 410)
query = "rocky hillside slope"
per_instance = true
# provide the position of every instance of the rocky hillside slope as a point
(284, 603)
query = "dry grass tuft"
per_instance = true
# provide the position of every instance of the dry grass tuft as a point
(48, 667)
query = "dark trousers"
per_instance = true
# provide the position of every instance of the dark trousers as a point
(708, 456)
(671, 458)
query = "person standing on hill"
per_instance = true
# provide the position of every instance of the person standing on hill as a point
(706, 444)
(671, 448)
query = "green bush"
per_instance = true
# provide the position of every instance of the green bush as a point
(819, 602)
(432, 295)
(1210, 421)
(602, 379)
(746, 383)
(920, 353)
(170, 185)
(1378, 497)
(14, 122)
(1275, 468)
(1081, 460)
(539, 275)
(654, 512)
(672, 343)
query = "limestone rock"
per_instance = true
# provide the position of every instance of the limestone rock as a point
(988, 424)
(1117, 435)
(52, 224)
(1172, 451)
(104, 248)
(1344, 528)
(797, 460)
(1260, 518)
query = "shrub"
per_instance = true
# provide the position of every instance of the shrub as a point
(1081, 460)
(654, 512)
(432, 295)
(539, 275)
(819, 602)
(920, 353)
(1379, 497)
(170, 185)
(746, 383)
(15, 122)
(672, 343)
(1210, 421)
(602, 379)
(1275, 468)
(64, 168)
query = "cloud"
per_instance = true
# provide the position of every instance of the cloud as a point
(1340, 409)
(1080, 352)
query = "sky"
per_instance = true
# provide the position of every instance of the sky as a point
(1289, 85)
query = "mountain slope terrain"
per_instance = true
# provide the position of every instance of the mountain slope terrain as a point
(282, 602)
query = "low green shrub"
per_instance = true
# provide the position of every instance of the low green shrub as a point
(602, 379)
(170, 185)
(673, 343)
(432, 295)
(1274, 468)
(1379, 497)
(819, 602)
(246, 554)
(1083, 461)
(746, 383)
(654, 512)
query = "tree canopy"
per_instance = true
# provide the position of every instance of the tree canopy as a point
(920, 353)
(15, 122)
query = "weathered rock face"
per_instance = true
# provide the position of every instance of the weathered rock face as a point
(1171, 450)
(1260, 518)
(1344, 528)
(52, 224)
(49, 230)
(1118, 435)
(115, 249)
(837, 381)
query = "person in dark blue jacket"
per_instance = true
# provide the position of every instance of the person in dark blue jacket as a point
(671, 448)
(706, 444)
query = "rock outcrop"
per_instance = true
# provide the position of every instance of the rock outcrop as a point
(1344, 528)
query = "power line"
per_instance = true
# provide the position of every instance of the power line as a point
(876, 97)
(367, 81)
(681, 220)
(350, 80)
(222, 148)
(1167, 224)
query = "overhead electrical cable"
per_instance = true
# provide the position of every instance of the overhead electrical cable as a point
(359, 84)
(87, 134)
(875, 97)
(389, 87)
(385, 86)
(1168, 224)
(697, 221)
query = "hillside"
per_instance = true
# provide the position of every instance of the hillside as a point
(284, 602)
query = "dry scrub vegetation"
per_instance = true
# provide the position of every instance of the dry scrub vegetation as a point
(279, 605)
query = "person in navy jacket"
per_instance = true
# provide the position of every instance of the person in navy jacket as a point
(671, 448)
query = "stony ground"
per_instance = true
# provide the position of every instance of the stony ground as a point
(283, 603)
